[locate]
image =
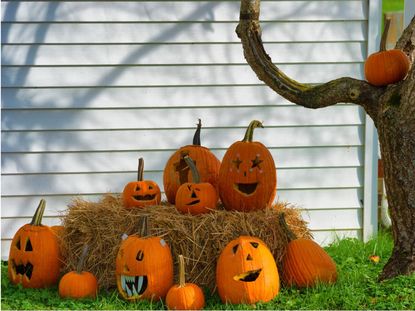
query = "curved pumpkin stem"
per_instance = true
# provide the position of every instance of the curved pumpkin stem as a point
(382, 46)
(37, 217)
(193, 169)
(144, 227)
(290, 235)
(140, 170)
(249, 134)
(182, 273)
(81, 261)
(196, 137)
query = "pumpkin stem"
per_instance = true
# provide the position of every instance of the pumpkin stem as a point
(144, 226)
(384, 35)
(81, 261)
(290, 235)
(249, 134)
(196, 137)
(37, 217)
(140, 170)
(193, 169)
(182, 279)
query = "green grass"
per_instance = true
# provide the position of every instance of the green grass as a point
(392, 5)
(357, 288)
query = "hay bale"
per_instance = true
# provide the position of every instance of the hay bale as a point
(199, 238)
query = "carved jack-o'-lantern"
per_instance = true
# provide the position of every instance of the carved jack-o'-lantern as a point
(195, 197)
(144, 268)
(177, 172)
(246, 272)
(34, 258)
(247, 176)
(141, 193)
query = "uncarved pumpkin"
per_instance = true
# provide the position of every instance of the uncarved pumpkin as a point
(306, 263)
(247, 176)
(34, 257)
(386, 66)
(79, 284)
(141, 193)
(144, 267)
(177, 172)
(196, 197)
(246, 272)
(184, 296)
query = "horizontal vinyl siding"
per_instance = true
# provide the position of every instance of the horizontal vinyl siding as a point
(88, 86)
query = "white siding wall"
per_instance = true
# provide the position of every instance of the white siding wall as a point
(87, 87)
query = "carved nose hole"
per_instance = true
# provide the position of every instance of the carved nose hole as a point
(249, 257)
(126, 268)
(140, 256)
(193, 195)
(245, 174)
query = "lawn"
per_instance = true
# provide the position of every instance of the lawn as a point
(357, 288)
(392, 5)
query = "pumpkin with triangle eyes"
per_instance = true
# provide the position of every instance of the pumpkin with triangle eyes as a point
(141, 193)
(144, 268)
(246, 272)
(196, 197)
(34, 257)
(247, 175)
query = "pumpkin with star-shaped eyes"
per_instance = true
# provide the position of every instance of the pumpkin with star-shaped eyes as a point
(144, 267)
(177, 172)
(141, 193)
(196, 197)
(247, 175)
(34, 258)
(246, 272)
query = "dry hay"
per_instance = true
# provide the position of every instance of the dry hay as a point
(199, 238)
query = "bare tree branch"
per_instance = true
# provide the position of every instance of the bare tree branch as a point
(336, 91)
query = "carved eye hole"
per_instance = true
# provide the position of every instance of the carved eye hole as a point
(256, 162)
(18, 244)
(235, 248)
(254, 244)
(140, 255)
(28, 247)
(150, 187)
(237, 162)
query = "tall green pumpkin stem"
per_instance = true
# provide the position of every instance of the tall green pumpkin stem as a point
(249, 134)
(81, 261)
(37, 217)
(140, 170)
(144, 226)
(193, 169)
(182, 278)
(291, 235)
(196, 137)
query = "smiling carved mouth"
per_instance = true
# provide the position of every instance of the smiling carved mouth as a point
(23, 269)
(249, 276)
(147, 197)
(246, 189)
(194, 202)
(133, 286)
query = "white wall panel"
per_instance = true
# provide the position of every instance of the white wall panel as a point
(88, 86)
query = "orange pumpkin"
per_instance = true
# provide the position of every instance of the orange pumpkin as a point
(247, 176)
(386, 66)
(246, 272)
(177, 172)
(79, 284)
(184, 296)
(144, 267)
(141, 193)
(195, 197)
(305, 262)
(34, 257)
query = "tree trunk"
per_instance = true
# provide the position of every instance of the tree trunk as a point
(392, 109)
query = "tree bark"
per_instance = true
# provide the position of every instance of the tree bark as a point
(392, 109)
